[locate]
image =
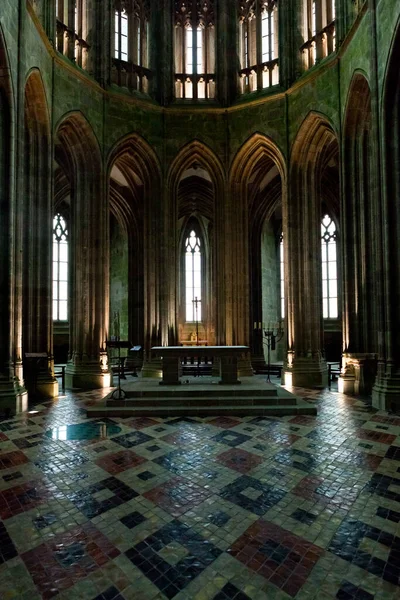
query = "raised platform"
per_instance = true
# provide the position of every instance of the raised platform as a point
(201, 396)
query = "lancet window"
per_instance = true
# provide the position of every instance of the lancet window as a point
(194, 49)
(72, 30)
(193, 277)
(329, 268)
(258, 44)
(282, 276)
(130, 44)
(60, 269)
(318, 30)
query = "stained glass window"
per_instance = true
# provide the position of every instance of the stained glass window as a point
(193, 277)
(329, 268)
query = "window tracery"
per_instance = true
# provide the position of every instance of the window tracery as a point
(258, 44)
(130, 44)
(318, 30)
(329, 268)
(194, 49)
(60, 269)
(193, 277)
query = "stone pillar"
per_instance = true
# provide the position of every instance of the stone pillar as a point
(358, 373)
(36, 223)
(13, 396)
(306, 365)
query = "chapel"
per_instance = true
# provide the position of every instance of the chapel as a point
(182, 170)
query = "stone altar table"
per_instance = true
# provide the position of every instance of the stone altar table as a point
(171, 364)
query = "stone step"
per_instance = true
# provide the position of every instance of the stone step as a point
(191, 392)
(300, 408)
(200, 401)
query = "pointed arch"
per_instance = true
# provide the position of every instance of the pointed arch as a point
(134, 184)
(257, 183)
(36, 222)
(256, 147)
(360, 221)
(314, 152)
(79, 150)
(196, 177)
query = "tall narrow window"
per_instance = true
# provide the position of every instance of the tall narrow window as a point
(258, 44)
(194, 49)
(60, 269)
(130, 52)
(193, 277)
(318, 30)
(282, 276)
(329, 269)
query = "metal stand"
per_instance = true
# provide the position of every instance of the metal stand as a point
(196, 302)
(271, 338)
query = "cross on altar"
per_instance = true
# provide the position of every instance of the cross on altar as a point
(196, 303)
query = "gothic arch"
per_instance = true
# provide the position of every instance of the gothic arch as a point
(314, 154)
(89, 250)
(257, 184)
(134, 201)
(36, 222)
(209, 205)
(359, 234)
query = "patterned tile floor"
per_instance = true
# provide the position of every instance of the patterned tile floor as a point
(222, 508)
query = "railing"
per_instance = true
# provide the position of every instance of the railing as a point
(260, 76)
(131, 76)
(319, 46)
(194, 87)
(71, 45)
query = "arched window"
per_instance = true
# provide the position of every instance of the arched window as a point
(194, 49)
(193, 280)
(329, 269)
(60, 269)
(318, 30)
(72, 30)
(130, 44)
(258, 44)
(282, 276)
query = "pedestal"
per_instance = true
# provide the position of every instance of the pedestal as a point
(86, 376)
(358, 373)
(229, 370)
(13, 397)
(386, 392)
(306, 372)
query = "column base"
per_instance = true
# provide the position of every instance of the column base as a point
(306, 372)
(386, 393)
(46, 387)
(86, 377)
(13, 397)
(358, 373)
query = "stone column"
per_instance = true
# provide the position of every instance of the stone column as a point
(36, 223)
(13, 396)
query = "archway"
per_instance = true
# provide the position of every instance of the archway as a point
(133, 176)
(314, 180)
(258, 185)
(79, 154)
(37, 242)
(195, 187)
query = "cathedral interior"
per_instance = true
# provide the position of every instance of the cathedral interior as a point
(221, 173)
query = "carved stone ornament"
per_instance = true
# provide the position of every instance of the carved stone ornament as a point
(141, 8)
(190, 13)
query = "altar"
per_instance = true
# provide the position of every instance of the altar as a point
(171, 361)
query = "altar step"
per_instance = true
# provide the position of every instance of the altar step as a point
(201, 400)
